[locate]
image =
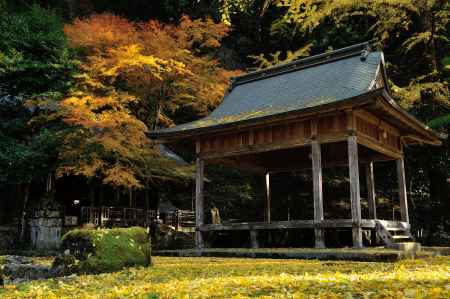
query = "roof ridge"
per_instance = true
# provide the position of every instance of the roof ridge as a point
(346, 52)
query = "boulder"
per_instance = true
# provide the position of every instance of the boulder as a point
(16, 269)
(103, 250)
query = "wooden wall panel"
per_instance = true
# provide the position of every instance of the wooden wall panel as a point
(378, 130)
(332, 123)
(281, 133)
(294, 132)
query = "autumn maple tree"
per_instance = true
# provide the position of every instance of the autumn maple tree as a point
(135, 77)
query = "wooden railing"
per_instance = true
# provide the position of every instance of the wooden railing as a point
(125, 217)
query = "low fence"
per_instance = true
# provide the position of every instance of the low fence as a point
(125, 217)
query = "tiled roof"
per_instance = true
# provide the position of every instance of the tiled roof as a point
(302, 84)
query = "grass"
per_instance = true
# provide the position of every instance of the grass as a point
(172, 277)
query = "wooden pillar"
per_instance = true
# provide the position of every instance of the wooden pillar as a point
(402, 190)
(268, 196)
(317, 194)
(254, 238)
(371, 195)
(355, 198)
(199, 203)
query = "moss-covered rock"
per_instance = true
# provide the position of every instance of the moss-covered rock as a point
(104, 250)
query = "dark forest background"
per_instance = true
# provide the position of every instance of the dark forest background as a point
(64, 67)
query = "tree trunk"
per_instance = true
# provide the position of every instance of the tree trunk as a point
(117, 196)
(50, 182)
(148, 219)
(433, 46)
(157, 115)
(70, 8)
(23, 217)
(262, 7)
(156, 194)
(429, 25)
(101, 196)
(91, 197)
(146, 200)
(130, 198)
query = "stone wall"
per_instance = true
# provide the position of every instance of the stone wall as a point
(45, 228)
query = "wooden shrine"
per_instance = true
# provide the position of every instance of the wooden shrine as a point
(328, 110)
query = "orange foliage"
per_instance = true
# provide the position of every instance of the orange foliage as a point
(200, 86)
(133, 77)
(100, 32)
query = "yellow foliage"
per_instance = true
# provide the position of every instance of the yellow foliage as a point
(133, 76)
(253, 278)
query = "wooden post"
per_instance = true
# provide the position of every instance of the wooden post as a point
(402, 190)
(355, 198)
(254, 238)
(371, 195)
(199, 203)
(268, 196)
(317, 193)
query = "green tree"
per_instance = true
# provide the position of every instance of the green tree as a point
(35, 70)
(414, 35)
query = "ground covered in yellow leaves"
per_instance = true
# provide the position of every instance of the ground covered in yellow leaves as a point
(172, 277)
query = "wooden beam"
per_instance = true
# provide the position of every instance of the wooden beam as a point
(251, 137)
(351, 122)
(258, 225)
(355, 198)
(267, 177)
(277, 225)
(326, 164)
(377, 146)
(197, 146)
(402, 190)
(199, 217)
(394, 114)
(314, 127)
(371, 195)
(317, 191)
(235, 162)
(260, 148)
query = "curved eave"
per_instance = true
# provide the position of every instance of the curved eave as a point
(366, 98)
(421, 132)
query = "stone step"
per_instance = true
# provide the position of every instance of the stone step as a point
(391, 224)
(396, 229)
(401, 239)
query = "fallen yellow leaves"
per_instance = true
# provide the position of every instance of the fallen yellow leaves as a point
(248, 278)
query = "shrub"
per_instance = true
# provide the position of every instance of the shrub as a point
(104, 250)
(166, 237)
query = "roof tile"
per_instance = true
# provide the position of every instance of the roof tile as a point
(311, 86)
